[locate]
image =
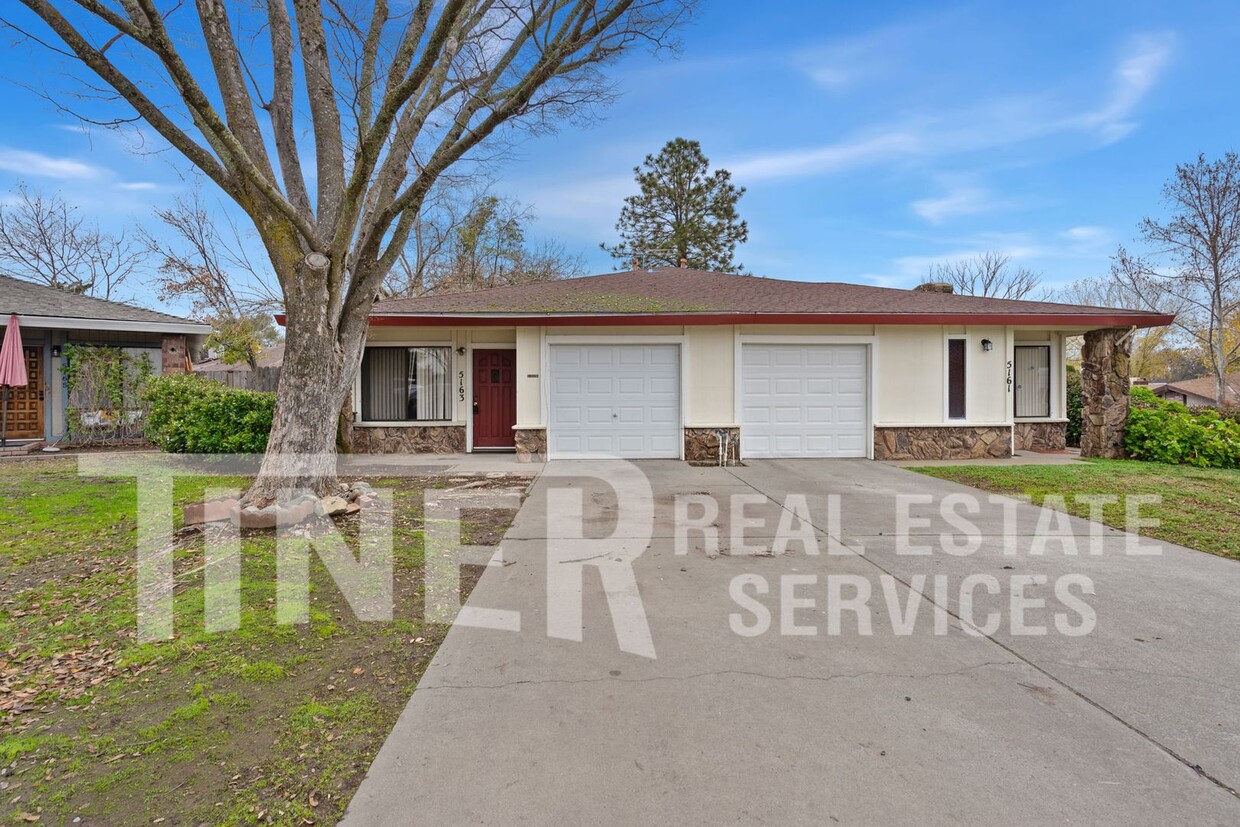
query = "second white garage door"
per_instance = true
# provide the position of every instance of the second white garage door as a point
(804, 401)
(614, 401)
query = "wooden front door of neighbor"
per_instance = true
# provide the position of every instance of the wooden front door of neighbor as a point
(26, 404)
(495, 398)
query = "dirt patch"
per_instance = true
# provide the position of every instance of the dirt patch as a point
(270, 723)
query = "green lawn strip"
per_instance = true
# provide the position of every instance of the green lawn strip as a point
(266, 724)
(1200, 507)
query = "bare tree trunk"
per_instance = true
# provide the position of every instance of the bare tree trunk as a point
(315, 379)
(1220, 353)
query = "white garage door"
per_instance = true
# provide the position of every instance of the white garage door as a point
(615, 401)
(804, 401)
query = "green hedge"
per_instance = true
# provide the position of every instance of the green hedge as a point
(1163, 431)
(192, 415)
(1075, 407)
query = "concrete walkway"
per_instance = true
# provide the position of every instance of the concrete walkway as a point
(1135, 723)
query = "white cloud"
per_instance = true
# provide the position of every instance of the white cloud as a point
(37, 164)
(833, 157)
(958, 202)
(137, 186)
(1146, 58)
(997, 123)
(1086, 234)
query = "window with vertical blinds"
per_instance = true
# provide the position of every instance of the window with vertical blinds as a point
(1033, 380)
(407, 384)
(956, 379)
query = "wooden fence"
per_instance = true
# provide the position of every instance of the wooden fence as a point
(262, 379)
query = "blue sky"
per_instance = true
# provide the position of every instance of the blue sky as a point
(874, 138)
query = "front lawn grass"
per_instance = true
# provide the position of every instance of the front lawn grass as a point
(268, 724)
(1200, 507)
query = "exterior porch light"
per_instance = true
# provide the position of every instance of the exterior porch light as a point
(987, 345)
(55, 351)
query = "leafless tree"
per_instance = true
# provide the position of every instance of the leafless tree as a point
(473, 242)
(393, 95)
(214, 271)
(988, 274)
(1152, 347)
(44, 239)
(1193, 259)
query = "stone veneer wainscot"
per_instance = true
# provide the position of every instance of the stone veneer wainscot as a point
(943, 442)
(1040, 436)
(409, 439)
(702, 445)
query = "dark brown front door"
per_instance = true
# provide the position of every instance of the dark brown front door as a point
(495, 398)
(26, 404)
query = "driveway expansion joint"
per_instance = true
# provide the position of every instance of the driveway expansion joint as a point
(728, 672)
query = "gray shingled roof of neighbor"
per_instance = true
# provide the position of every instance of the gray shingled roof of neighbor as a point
(34, 303)
(684, 293)
(1207, 386)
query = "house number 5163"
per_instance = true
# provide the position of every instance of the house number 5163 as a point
(460, 385)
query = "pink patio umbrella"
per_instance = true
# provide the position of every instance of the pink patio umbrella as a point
(12, 370)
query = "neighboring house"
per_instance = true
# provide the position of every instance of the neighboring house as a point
(660, 363)
(1201, 392)
(52, 318)
(241, 375)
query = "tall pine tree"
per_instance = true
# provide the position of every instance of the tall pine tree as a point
(684, 212)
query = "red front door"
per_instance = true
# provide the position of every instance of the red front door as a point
(495, 398)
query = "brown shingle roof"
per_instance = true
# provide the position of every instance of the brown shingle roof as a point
(683, 291)
(1207, 387)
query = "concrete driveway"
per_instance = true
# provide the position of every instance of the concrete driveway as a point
(1136, 722)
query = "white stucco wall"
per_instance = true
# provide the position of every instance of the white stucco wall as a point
(712, 371)
(909, 365)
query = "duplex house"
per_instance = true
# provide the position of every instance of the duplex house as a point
(681, 363)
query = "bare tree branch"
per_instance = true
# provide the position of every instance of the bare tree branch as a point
(44, 239)
(989, 274)
(1194, 259)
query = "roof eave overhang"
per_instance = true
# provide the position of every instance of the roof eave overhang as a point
(1059, 320)
(73, 323)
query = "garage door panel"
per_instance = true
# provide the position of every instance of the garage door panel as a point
(665, 416)
(627, 399)
(851, 357)
(756, 415)
(852, 416)
(597, 415)
(804, 400)
(597, 357)
(790, 384)
(665, 386)
(820, 416)
(854, 386)
(816, 385)
(786, 358)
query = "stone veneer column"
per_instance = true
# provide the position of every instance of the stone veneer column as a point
(1104, 391)
(531, 444)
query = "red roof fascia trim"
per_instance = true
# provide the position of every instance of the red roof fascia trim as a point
(1053, 319)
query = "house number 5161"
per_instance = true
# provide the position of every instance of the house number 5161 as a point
(1009, 375)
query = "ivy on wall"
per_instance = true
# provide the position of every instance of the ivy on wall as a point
(105, 387)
